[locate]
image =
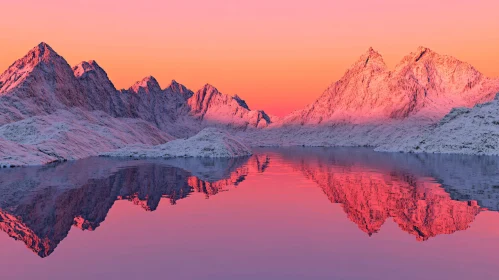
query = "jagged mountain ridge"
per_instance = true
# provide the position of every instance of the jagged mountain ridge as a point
(424, 84)
(50, 111)
(370, 106)
(43, 82)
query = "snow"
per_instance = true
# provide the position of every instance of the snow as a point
(210, 142)
(463, 131)
(424, 84)
(13, 154)
(389, 110)
(71, 135)
(50, 111)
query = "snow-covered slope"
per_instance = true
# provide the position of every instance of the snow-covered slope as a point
(210, 142)
(75, 134)
(464, 131)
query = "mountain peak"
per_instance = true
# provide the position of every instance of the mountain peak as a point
(86, 66)
(19, 70)
(371, 59)
(43, 52)
(371, 51)
(210, 88)
(44, 47)
(147, 84)
(420, 52)
(175, 87)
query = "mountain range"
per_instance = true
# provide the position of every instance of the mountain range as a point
(52, 111)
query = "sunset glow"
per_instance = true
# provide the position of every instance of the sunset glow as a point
(277, 55)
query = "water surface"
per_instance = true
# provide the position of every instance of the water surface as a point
(288, 213)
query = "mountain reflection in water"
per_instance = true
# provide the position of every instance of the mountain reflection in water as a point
(426, 195)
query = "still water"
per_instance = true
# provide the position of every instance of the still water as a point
(288, 213)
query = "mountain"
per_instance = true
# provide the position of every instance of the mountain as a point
(55, 112)
(80, 112)
(381, 108)
(424, 84)
(38, 84)
(98, 89)
(212, 107)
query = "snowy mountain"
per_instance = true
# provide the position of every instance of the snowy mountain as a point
(54, 112)
(58, 112)
(38, 84)
(377, 107)
(424, 84)
(214, 108)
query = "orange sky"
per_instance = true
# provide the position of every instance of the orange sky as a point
(278, 55)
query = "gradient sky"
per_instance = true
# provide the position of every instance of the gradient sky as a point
(278, 55)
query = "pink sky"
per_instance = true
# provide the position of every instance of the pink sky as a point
(278, 55)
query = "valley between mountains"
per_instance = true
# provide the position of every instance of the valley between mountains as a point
(50, 111)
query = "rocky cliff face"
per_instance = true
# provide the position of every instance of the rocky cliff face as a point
(424, 84)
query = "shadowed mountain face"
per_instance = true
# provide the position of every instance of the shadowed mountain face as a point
(425, 195)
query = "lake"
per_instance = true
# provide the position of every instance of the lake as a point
(283, 213)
